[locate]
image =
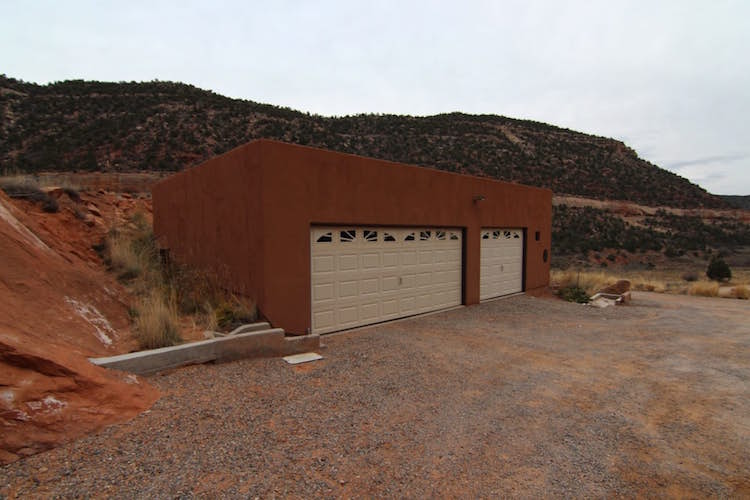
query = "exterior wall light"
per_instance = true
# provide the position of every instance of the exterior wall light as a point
(478, 198)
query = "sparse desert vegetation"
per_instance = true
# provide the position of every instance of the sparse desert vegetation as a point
(672, 280)
(704, 289)
(167, 291)
(611, 237)
(156, 321)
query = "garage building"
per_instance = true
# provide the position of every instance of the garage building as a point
(326, 241)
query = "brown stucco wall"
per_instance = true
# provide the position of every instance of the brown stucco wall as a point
(210, 216)
(250, 210)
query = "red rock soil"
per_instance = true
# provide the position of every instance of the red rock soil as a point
(58, 306)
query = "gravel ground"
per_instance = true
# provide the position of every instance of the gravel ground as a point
(517, 397)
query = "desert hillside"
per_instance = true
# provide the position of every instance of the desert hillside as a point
(58, 306)
(80, 125)
(737, 201)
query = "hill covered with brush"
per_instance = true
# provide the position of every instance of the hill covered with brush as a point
(83, 125)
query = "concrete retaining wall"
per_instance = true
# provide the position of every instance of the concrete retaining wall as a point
(267, 343)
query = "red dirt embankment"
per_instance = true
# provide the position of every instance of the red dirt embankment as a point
(58, 307)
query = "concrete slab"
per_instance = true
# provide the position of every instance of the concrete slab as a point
(296, 359)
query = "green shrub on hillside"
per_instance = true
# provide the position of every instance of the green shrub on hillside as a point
(579, 230)
(718, 270)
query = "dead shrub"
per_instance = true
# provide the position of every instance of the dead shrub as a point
(741, 292)
(704, 289)
(196, 291)
(234, 312)
(156, 322)
(130, 252)
(209, 317)
(122, 257)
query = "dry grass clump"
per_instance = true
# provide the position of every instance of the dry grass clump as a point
(648, 284)
(704, 289)
(741, 292)
(590, 281)
(123, 257)
(156, 322)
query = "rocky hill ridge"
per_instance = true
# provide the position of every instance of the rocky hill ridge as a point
(80, 125)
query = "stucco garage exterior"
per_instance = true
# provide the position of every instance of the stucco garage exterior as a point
(324, 241)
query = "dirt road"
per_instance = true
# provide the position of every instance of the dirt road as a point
(517, 397)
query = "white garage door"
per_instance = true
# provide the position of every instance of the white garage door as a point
(501, 262)
(364, 275)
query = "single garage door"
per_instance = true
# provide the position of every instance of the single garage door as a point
(501, 262)
(364, 275)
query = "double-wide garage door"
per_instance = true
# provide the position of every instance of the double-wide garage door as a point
(501, 262)
(364, 275)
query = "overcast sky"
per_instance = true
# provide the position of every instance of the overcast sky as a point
(670, 78)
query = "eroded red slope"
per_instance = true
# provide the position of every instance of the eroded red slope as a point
(58, 307)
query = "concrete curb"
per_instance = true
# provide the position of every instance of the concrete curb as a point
(266, 343)
(252, 327)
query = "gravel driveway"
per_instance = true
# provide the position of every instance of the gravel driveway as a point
(516, 397)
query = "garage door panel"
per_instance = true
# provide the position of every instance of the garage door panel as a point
(370, 260)
(348, 315)
(425, 257)
(348, 289)
(322, 264)
(408, 305)
(324, 319)
(424, 279)
(369, 311)
(390, 283)
(408, 258)
(409, 281)
(390, 259)
(369, 286)
(424, 301)
(390, 307)
(324, 291)
(348, 262)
